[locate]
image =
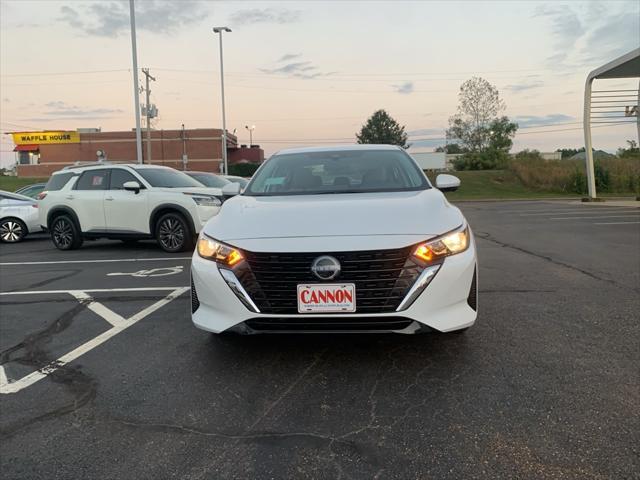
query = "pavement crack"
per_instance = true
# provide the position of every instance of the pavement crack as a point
(288, 390)
(489, 238)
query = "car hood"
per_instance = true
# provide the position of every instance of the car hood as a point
(424, 213)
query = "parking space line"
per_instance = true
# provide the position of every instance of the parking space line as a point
(92, 290)
(635, 215)
(96, 307)
(618, 223)
(28, 380)
(579, 211)
(111, 260)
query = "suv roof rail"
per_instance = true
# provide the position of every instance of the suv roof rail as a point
(86, 164)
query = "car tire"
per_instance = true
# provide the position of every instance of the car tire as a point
(12, 230)
(173, 233)
(65, 234)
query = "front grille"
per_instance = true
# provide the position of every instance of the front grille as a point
(195, 303)
(382, 278)
(316, 324)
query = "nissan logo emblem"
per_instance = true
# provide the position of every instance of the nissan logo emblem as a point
(325, 267)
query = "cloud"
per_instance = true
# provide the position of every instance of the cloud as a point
(302, 69)
(111, 19)
(57, 109)
(288, 56)
(405, 88)
(250, 16)
(590, 36)
(522, 87)
(525, 121)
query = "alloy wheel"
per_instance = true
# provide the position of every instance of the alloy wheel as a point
(63, 233)
(171, 234)
(11, 231)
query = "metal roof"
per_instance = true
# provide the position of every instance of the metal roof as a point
(626, 66)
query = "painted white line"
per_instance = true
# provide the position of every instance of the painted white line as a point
(111, 260)
(109, 315)
(618, 223)
(92, 290)
(581, 212)
(597, 218)
(33, 377)
(3, 378)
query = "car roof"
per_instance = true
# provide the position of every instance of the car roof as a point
(135, 166)
(338, 148)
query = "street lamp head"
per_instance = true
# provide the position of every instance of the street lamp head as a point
(221, 29)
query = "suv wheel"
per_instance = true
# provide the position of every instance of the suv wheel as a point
(12, 230)
(173, 234)
(65, 234)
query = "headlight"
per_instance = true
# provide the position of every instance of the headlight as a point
(205, 200)
(218, 252)
(449, 244)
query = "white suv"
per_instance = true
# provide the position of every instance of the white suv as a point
(128, 203)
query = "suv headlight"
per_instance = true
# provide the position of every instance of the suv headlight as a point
(205, 200)
(218, 252)
(450, 243)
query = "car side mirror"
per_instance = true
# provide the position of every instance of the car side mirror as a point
(447, 183)
(131, 186)
(231, 189)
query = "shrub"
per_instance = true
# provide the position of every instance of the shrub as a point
(490, 159)
(614, 175)
(243, 169)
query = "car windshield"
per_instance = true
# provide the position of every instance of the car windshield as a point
(339, 171)
(168, 178)
(209, 179)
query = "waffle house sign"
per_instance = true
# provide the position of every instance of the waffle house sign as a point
(45, 138)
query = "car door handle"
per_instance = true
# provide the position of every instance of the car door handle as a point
(70, 197)
(110, 199)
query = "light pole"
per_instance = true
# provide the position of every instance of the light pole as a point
(251, 129)
(224, 119)
(136, 97)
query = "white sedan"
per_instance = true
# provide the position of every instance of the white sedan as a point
(337, 239)
(18, 217)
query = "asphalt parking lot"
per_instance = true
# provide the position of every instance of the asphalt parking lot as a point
(103, 375)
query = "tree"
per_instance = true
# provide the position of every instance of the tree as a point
(381, 128)
(451, 148)
(477, 126)
(631, 152)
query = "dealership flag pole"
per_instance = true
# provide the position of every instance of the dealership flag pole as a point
(136, 97)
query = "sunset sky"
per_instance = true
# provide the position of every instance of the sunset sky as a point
(311, 72)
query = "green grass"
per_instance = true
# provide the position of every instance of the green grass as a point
(11, 184)
(493, 184)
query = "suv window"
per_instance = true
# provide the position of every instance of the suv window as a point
(93, 180)
(56, 182)
(119, 177)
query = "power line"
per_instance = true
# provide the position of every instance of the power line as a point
(46, 74)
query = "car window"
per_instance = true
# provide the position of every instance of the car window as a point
(209, 179)
(167, 177)
(119, 177)
(338, 171)
(56, 182)
(93, 180)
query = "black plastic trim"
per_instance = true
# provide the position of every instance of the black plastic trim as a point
(157, 212)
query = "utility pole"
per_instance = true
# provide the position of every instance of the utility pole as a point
(149, 111)
(136, 97)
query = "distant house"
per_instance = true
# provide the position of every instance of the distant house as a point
(597, 155)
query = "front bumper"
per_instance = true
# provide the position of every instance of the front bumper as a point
(445, 305)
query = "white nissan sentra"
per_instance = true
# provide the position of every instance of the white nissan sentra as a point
(336, 239)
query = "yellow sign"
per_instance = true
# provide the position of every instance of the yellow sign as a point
(42, 138)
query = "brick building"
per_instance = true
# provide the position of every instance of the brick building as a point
(41, 153)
